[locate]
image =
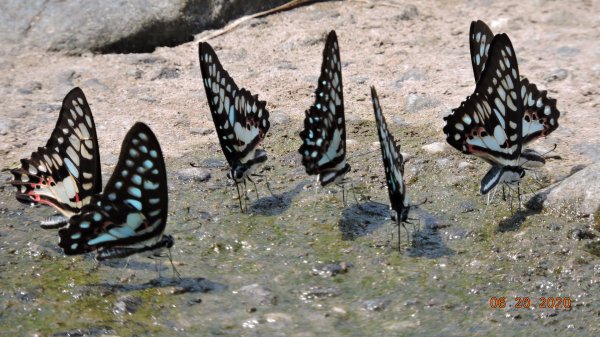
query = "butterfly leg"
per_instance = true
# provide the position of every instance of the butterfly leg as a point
(175, 272)
(237, 187)
(255, 188)
(245, 196)
(492, 195)
(266, 181)
(399, 234)
(519, 197)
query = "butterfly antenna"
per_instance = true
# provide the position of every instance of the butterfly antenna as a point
(543, 154)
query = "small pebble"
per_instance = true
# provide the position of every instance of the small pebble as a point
(435, 148)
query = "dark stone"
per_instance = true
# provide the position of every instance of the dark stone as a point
(407, 12)
(88, 332)
(202, 131)
(127, 305)
(319, 292)
(96, 84)
(258, 294)
(567, 51)
(558, 74)
(166, 73)
(376, 304)
(331, 269)
(29, 88)
(114, 26)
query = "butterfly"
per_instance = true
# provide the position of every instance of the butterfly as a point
(130, 215)
(540, 113)
(65, 173)
(393, 164)
(323, 146)
(490, 123)
(241, 119)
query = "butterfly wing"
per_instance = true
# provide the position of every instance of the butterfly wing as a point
(489, 123)
(240, 118)
(323, 146)
(541, 115)
(392, 161)
(66, 172)
(132, 211)
(480, 38)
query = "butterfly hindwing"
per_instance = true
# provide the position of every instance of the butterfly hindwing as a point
(323, 147)
(132, 211)
(393, 162)
(66, 172)
(540, 112)
(480, 38)
(489, 123)
(241, 119)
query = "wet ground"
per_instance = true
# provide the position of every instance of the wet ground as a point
(300, 263)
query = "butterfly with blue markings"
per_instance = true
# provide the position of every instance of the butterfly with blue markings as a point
(540, 115)
(323, 146)
(490, 122)
(131, 214)
(65, 173)
(240, 118)
(393, 163)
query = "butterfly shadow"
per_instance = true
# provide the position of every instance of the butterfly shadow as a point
(276, 204)
(533, 206)
(177, 285)
(426, 240)
(363, 219)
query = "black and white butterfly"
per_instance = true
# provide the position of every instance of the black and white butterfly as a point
(393, 164)
(490, 122)
(540, 115)
(241, 119)
(66, 172)
(131, 214)
(323, 146)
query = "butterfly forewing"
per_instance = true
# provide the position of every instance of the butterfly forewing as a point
(480, 38)
(66, 172)
(132, 211)
(393, 162)
(489, 123)
(240, 118)
(540, 113)
(324, 136)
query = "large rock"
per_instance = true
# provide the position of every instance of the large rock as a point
(122, 26)
(581, 189)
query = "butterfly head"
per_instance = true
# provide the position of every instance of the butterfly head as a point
(403, 214)
(241, 169)
(168, 241)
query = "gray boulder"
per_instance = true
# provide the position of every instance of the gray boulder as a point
(580, 190)
(114, 26)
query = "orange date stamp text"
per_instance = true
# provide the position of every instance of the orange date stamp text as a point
(528, 302)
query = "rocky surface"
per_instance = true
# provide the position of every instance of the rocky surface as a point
(114, 26)
(580, 191)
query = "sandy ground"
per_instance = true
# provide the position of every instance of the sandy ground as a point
(279, 57)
